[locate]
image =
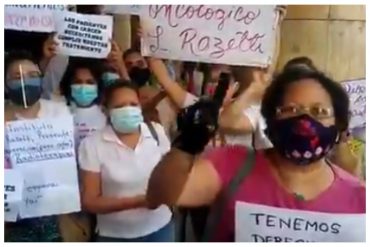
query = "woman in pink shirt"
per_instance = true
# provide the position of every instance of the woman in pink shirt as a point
(305, 112)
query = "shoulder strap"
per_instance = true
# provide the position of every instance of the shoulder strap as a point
(215, 215)
(153, 131)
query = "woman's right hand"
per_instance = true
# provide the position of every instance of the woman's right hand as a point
(257, 88)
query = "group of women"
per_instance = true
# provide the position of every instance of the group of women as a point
(132, 177)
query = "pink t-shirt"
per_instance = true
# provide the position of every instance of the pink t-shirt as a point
(345, 195)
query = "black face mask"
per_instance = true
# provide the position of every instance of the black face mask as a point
(302, 139)
(139, 76)
(32, 90)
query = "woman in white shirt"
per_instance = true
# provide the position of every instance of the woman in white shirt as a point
(81, 87)
(23, 84)
(116, 163)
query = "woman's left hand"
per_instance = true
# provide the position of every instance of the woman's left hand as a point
(115, 56)
(115, 59)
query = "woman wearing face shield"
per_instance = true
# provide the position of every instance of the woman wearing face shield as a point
(23, 81)
(305, 113)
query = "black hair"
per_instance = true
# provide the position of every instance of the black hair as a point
(299, 61)
(118, 84)
(274, 94)
(17, 55)
(88, 9)
(93, 65)
(130, 51)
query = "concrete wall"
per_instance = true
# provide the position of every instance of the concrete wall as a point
(332, 35)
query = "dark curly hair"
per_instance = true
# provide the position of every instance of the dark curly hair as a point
(300, 61)
(275, 93)
(95, 66)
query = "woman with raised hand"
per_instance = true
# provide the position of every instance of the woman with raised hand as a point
(305, 112)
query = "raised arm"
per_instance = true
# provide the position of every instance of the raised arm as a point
(49, 48)
(182, 178)
(116, 60)
(179, 180)
(233, 119)
(177, 94)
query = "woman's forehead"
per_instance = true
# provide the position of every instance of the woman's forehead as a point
(307, 92)
(25, 66)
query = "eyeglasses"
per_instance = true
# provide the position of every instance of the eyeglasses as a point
(316, 111)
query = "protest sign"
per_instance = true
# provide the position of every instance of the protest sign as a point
(259, 223)
(32, 18)
(356, 90)
(226, 34)
(43, 151)
(84, 35)
(13, 186)
(124, 9)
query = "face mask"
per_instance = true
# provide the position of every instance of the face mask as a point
(84, 95)
(108, 78)
(302, 139)
(126, 119)
(32, 91)
(139, 76)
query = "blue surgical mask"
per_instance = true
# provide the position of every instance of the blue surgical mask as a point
(126, 119)
(84, 95)
(108, 78)
(32, 91)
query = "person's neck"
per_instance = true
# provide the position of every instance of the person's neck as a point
(294, 176)
(129, 139)
(29, 112)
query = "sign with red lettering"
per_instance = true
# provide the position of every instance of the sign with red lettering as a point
(226, 34)
(259, 223)
(84, 35)
(32, 18)
(356, 90)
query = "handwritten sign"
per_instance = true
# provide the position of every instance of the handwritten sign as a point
(258, 223)
(227, 34)
(84, 35)
(43, 151)
(356, 90)
(13, 186)
(33, 18)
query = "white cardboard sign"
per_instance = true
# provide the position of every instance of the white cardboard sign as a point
(32, 18)
(224, 34)
(356, 90)
(259, 223)
(13, 186)
(84, 35)
(42, 150)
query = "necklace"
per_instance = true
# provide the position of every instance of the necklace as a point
(299, 196)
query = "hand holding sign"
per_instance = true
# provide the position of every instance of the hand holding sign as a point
(49, 47)
(115, 58)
